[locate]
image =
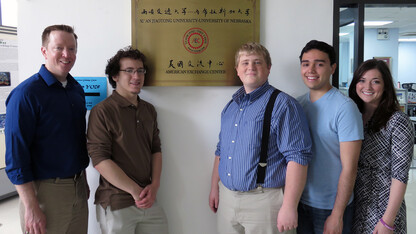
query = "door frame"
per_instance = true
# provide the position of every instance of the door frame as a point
(358, 18)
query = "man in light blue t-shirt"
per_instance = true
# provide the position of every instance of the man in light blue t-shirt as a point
(337, 131)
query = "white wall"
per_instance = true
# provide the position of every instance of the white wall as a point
(374, 47)
(189, 117)
(407, 58)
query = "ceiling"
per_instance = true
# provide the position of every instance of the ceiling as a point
(404, 18)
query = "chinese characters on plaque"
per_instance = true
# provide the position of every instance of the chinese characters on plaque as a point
(193, 43)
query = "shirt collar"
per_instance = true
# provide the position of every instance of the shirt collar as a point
(50, 79)
(241, 93)
(332, 90)
(120, 100)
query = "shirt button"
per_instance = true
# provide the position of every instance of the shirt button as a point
(138, 121)
(232, 141)
(229, 174)
(235, 125)
(241, 109)
(229, 157)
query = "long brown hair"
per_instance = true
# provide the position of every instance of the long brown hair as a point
(388, 103)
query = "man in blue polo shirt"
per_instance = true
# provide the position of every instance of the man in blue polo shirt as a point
(46, 152)
(242, 204)
(337, 130)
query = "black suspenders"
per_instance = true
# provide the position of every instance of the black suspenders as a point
(261, 168)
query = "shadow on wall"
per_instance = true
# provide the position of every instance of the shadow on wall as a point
(184, 167)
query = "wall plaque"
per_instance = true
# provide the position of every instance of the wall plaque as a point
(193, 42)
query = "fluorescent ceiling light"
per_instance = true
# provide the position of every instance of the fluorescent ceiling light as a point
(407, 39)
(376, 23)
(343, 34)
(373, 23)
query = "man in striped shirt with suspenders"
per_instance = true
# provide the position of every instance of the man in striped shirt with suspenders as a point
(247, 188)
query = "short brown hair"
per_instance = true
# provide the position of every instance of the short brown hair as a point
(59, 27)
(253, 48)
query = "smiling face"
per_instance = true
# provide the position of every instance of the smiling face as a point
(370, 87)
(316, 70)
(252, 70)
(129, 85)
(60, 53)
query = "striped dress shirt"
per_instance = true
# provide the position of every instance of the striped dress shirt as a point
(240, 139)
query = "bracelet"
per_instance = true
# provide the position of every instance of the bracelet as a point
(386, 225)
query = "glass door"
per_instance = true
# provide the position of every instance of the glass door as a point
(385, 30)
(348, 16)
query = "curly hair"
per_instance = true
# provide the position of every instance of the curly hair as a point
(113, 65)
(388, 103)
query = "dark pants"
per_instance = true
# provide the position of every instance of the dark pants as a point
(312, 220)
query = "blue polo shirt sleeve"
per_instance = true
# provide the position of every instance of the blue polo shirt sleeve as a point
(19, 132)
(350, 123)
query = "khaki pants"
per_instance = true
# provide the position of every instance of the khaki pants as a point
(64, 203)
(252, 212)
(132, 220)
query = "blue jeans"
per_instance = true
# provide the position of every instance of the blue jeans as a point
(312, 220)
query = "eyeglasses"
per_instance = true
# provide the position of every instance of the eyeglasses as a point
(140, 71)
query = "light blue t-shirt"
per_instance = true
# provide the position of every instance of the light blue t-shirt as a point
(332, 119)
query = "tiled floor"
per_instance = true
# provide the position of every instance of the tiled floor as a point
(10, 224)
